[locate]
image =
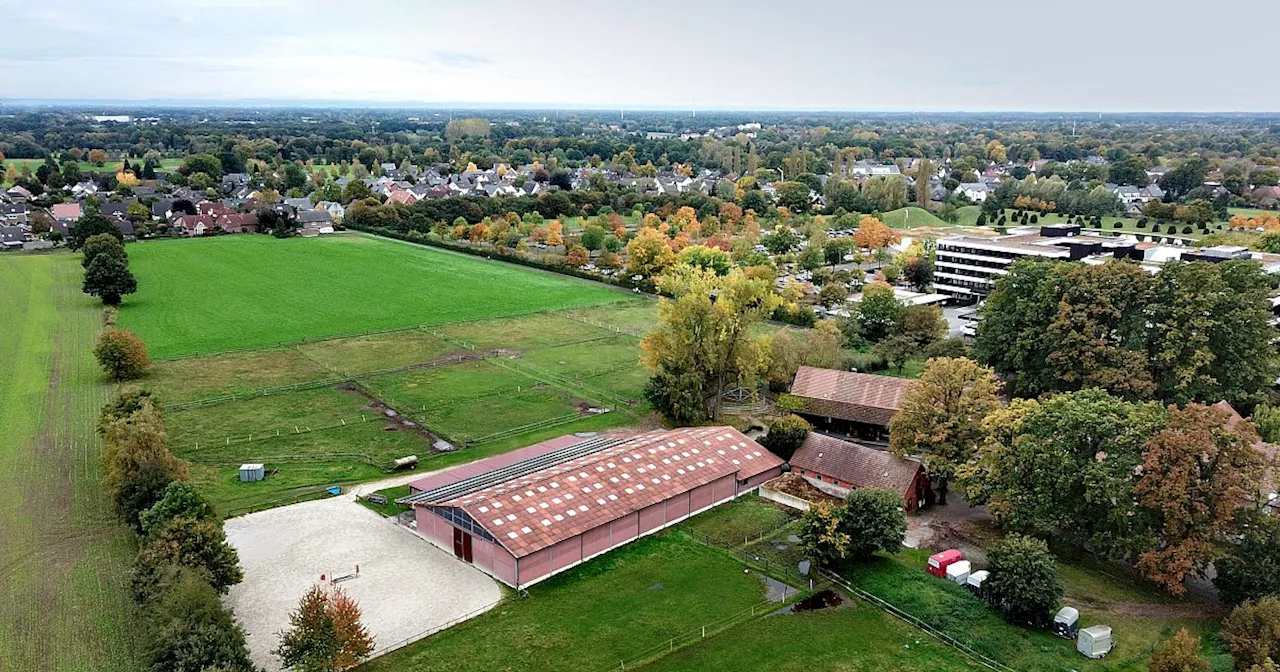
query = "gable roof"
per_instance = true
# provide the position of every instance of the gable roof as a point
(858, 397)
(852, 463)
(593, 481)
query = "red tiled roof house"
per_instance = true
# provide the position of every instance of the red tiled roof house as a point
(858, 404)
(524, 516)
(836, 467)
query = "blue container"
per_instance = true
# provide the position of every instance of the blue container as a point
(335, 490)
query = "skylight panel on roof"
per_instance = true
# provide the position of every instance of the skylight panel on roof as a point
(546, 522)
(525, 530)
(531, 510)
(511, 516)
(582, 507)
(497, 521)
(484, 509)
(558, 517)
(497, 505)
(571, 512)
(513, 535)
(630, 491)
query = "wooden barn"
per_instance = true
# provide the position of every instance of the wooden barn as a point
(845, 402)
(837, 467)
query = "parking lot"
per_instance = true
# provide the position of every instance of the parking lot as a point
(405, 587)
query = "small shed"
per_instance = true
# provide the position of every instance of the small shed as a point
(252, 472)
(976, 579)
(1066, 623)
(958, 572)
(1094, 641)
(938, 562)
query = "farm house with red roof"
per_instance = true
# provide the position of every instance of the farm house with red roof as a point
(526, 515)
(837, 467)
(857, 404)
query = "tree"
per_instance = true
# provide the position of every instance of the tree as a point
(873, 234)
(355, 190)
(785, 435)
(91, 224)
(918, 272)
(1214, 332)
(924, 172)
(1196, 473)
(1250, 567)
(922, 325)
(781, 240)
(555, 233)
(822, 536)
(180, 500)
(941, 417)
(879, 313)
(136, 463)
(97, 157)
(793, 196)
(201, 163)
(190, 630)
(1180, 653)
(648, 254)
(1252, 632)
(121, 354)
(874, 521)
(1023, 584)
(885, 192)
(109, 278)
(281, 223)
(325, 633)
(703, 339)
(593, 237)
(833, 294)
(577, 256)
(103, 243)
(1063, 465)
(712, 259)
(186, 542)
(896, 350)
(789, 349)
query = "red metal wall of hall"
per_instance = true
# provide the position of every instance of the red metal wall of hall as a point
(486, 555)
(760, 478)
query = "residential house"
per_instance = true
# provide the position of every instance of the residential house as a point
(336, 210)
(12, 237)
(1266, 197)
(856, 404)
(975, 191)
(299, 204)
(67, 212)
(13, 214)
(838, 467)
(402, 196)
(84, 189)
(162, 209)
(314, 217)
(18, 194)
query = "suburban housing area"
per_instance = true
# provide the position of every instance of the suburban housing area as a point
(394, 389)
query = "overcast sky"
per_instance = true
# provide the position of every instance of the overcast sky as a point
(1122, 55)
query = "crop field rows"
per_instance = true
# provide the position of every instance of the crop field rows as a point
(63, 558)
(340, 411)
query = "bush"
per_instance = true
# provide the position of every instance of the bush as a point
(1186, 229)
(1118, 225)
(785, 435)
(200, 545)
(180, 500)
(121, 354)
(1180, 653)
(1252, 632)
(1023, 584)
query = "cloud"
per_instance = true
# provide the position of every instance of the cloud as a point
(931, 55)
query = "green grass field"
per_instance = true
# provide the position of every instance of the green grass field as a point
(64, 560)
(216, 294)
(166, 165)
(281, 405)
(912, 217)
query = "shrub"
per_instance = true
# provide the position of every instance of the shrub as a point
(191, 630)
(325, 633)
(121, 354)
(785, 435)
(1024, 582)
(1252, 632)
(1186, 229)
(1180, 653)
(180, 500)
(1118, 225)
(195, 544)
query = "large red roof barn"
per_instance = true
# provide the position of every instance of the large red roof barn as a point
(524, 516)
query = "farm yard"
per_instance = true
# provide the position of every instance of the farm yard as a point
(339, 411)
(212, 295)
(63, 557)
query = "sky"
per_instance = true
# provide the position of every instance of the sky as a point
(920, 55)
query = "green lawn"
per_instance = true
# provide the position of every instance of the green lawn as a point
(902, 581)
(1250, 212)
(740, 520)
(912, 217)
(216, 294)
(390, 508)
(853, 638)
(64, 560)
(592, 617)
(166, 165)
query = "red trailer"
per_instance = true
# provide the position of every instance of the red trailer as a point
(938, 562)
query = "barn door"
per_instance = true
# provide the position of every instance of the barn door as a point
(457, 542)
(466, 546)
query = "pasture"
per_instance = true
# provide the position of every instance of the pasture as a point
(212, 295)
(64, 560)
(340, 411)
